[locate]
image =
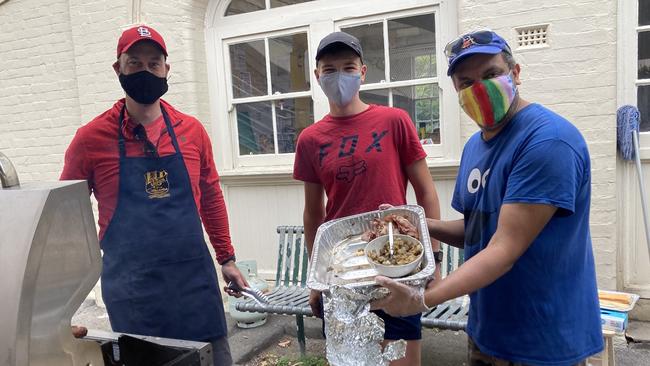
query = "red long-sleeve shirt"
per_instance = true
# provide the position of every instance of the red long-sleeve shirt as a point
(93, 155)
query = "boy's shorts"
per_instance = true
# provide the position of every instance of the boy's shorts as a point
(408, 328)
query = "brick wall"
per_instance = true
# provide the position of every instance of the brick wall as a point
(575, 77)
(56, 71)
(96, 25)
(39, 100)
(56, 75)
(182, 24)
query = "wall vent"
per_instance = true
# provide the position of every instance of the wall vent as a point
(532, 36)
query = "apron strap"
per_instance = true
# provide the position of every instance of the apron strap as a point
(120, 134)
(168, 124)
(170, 129)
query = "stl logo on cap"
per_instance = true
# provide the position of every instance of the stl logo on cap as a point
(144, 32)
(468, 41)
(139, 33)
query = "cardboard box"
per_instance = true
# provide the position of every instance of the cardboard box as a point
(613, 320)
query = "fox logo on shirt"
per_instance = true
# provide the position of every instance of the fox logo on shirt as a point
(348, 146)
(156, 184)
(349, 172)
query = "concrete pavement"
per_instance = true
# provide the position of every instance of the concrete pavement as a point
(439, 348)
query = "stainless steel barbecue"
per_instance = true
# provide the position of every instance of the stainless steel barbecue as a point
(49, 262)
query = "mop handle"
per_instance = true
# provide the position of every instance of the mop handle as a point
(639, 174)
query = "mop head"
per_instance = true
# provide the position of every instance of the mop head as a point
(627, 123)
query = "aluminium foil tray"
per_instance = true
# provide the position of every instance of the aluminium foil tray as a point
(337, 257)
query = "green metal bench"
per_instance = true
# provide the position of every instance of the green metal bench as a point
(291, 295)
(452, 314)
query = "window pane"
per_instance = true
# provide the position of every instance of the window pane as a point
(255, 128)
(244, 6)
(372, 42)
(292, 116)
(375, 96)
(644, 55)
(421, 103)
(279, 3)
(412, 51)
(644, 12)
(289, 63)
(248, 63)
(643, 103)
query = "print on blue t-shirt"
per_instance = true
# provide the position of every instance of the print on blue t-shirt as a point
(545, 310)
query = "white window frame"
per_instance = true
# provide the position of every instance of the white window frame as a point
(628, 49)
(629, 226)
(319, 18)
(260, 159)
(433, 151)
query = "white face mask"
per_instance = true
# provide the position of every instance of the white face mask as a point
(340, 87)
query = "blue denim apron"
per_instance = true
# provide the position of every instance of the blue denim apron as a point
(158, 278)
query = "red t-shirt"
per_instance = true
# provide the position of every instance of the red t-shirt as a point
(93, 155)
(360, 160)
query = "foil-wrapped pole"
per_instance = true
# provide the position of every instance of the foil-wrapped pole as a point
(354, 334)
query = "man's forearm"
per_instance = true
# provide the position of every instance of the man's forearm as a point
(478, 272)
(450, 232)
(214, 216)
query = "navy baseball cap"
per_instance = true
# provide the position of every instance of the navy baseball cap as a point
(478, 42)
(336, 39)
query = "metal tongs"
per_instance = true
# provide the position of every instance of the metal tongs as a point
(253, 293)
(390, 238)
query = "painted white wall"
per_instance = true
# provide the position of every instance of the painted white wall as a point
(56, 72)
(576, 77)
(39, 95)
(634, 272)
(56, 75)
(255, 210)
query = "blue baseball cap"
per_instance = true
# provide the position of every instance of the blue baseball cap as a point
(477, 42)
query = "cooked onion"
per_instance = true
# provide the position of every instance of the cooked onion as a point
(404, 252)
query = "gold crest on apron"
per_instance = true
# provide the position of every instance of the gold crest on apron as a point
(156, 184)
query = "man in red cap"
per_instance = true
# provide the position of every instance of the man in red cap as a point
(151, 170)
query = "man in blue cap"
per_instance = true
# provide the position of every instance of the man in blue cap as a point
(523, 188)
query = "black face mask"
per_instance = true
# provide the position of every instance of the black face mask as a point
(143, 86)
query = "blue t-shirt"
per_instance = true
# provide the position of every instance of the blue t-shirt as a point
(545, 310)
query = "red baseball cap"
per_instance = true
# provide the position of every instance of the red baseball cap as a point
(139, 33)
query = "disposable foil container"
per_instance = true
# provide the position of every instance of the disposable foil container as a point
(337, 258)
(354, 334)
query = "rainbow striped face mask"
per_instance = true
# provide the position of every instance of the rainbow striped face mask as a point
(487, 102)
